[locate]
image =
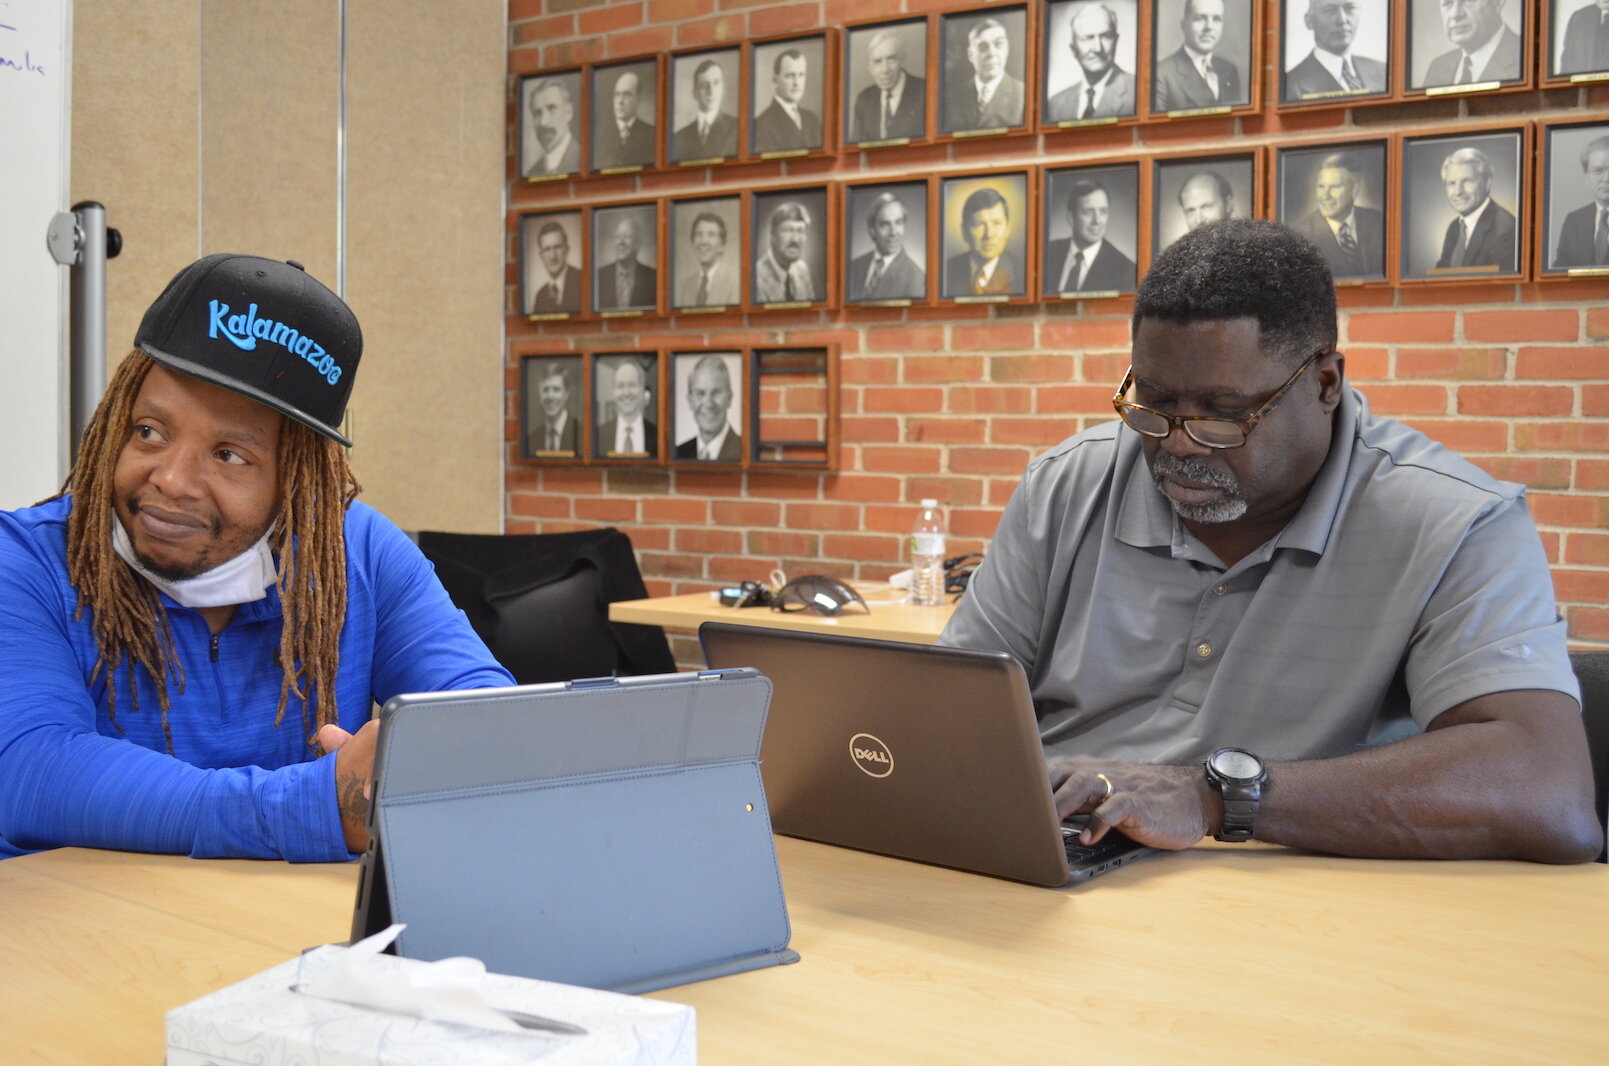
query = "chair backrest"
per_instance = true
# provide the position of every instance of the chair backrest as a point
(540, 601)
(1592, 669)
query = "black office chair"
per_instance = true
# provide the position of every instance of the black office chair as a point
(540, 601)
(1592, 669)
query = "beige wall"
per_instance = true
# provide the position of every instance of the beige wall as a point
(211, 125)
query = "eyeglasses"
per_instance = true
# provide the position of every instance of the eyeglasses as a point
(1209, 431)
(818, 593)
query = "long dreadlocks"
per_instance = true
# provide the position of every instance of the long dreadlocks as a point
(309, 540)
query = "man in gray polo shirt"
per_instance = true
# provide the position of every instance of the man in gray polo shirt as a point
(1252, 561)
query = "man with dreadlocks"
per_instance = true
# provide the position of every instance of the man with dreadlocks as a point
(204, 607)
(1248, 607)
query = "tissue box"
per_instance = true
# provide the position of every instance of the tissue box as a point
(262, 1022)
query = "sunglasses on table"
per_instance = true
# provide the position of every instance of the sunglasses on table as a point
(1209, 431)
(818, 593)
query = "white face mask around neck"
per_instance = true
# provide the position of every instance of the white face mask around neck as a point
(242, 579)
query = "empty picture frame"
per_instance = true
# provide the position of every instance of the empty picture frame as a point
(793, 405)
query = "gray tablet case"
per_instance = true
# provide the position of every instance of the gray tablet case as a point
(611, 833)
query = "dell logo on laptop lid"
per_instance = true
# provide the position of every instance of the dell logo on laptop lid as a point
(871, 755)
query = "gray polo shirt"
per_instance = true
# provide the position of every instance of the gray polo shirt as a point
(1408, 583)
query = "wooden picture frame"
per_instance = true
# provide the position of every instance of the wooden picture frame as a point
(617, 231)
(1568, 40)
(1498, 248)
(1230, 31)
(972, 41)
(886, 55)
(1434, 47)
(707, 237)
(1097, 206)
(806, 66)
(556, 101)
(553, 395)
(553, 265)
(792, 246)
(1339, 195)
(794, 407)
(624, 136)
(688, 98)
(1572, 183)
(707, 398)
(1336, 53)
(985, 222)
(632, 383)
(1102, 52)
(887, 248)
(1190, 190)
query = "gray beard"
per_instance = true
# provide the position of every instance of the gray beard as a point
(1227, 509)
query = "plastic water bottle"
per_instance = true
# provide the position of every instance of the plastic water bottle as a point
(927, 556)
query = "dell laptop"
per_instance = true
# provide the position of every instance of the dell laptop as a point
(911, 750)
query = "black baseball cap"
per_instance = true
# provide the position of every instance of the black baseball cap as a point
(265, 329)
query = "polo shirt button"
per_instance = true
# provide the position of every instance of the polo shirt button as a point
(1204, 650)
(1220, 590)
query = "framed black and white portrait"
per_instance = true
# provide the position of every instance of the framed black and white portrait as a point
(551, 265)
(706, 253)
(707, 406)
(704, 92)
(625, 254)
(983, 78)
(790, 232)
(1336, 195)
(625, 97)
(1456, 46)
(885, 243)
(1091, 52)
(1190, 192)
(1461, 204)
(1577, 39)
(1091, 238)
(1575, 200)
(550, 125)
(885, 84)
(1335, 52)
(1202, 59)
(984, 228)
(626, 406)
(551, 402)
(788, 97)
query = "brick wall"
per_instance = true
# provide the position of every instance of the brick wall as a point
(953, 402)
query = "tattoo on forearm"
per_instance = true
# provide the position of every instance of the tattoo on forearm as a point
(353, 803)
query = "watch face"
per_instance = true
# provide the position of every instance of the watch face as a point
(1236, 764)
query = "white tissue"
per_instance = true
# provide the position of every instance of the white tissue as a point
(448, 990)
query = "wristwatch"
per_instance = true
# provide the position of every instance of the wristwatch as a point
(1240, 776)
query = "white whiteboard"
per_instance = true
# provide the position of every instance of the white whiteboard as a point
(35, 139)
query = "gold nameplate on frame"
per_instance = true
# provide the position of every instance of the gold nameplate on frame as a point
(981, 299)
(1079, 123)
(548, 316)
(622, 314)
(621, 170)
(994, 131)
(1472, 87)
(1097, 295)
(537, 179)
(790, 305)
(897, 142)
(1198, 112)
(787, 154)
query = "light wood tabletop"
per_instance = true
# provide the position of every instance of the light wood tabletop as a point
(891, 617)
(1218, 954)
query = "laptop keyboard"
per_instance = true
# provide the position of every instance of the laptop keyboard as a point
(1113, 843)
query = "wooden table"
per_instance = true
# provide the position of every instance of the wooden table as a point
(890, 618)
(1216, 955)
